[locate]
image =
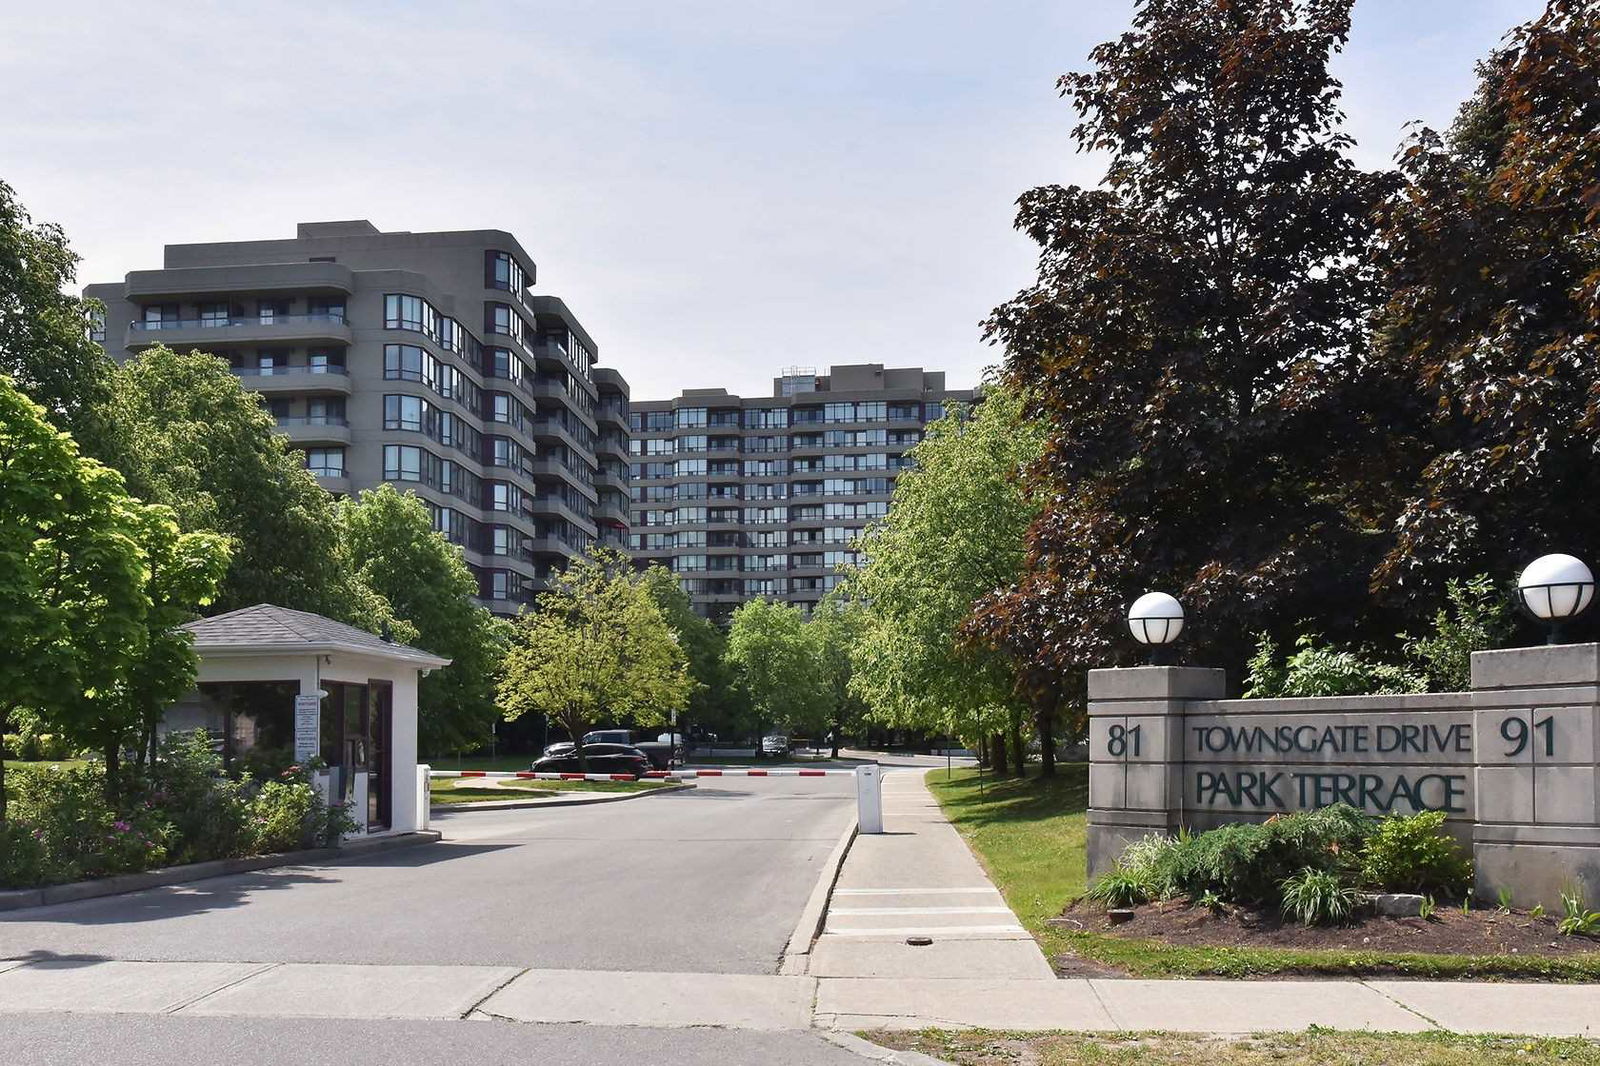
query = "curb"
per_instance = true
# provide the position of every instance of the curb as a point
(796, 958)
(877, 1052)
(435, 809)
(21, 898)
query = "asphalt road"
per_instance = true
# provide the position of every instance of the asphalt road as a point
(710, 880)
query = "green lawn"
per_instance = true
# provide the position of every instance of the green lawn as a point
(1314, 1047)
(472, 790)
(1030, 836)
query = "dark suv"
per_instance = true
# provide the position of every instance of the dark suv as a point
(602, 759)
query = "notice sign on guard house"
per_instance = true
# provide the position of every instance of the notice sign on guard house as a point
(307, 728)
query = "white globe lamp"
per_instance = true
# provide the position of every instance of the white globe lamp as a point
(1155, 620)
(1555, 588)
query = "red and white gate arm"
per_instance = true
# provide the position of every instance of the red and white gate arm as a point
(681, 775)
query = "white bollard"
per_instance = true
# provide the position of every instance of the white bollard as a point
(423, 797)
(869, 798)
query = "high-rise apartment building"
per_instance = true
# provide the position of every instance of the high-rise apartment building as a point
(421, 359)
(746, 497)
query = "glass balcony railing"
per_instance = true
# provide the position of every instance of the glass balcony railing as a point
(313, 420)
(279, 370)
(151, 325)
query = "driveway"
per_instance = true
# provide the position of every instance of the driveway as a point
(709, 880)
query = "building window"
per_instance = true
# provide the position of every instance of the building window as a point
(691, 418)
(402, 463)
(401, 311)
(272, 312)
(504, 272)
(407, 362)
(325, 462)
(404, 412)
(324, 361)
(160, 316)
(97, 326)
(326, 309)
(213, 315)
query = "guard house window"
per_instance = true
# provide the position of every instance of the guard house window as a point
(213, 315)
(325, 462)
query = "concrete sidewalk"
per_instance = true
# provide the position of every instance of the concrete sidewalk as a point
(918, 879)
(779, 1003)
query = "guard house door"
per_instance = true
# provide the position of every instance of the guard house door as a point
(380, 782)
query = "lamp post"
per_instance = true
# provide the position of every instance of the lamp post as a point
(1554, 588)
(1155, 620)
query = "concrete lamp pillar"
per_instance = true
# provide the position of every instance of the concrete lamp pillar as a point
(1136, 718)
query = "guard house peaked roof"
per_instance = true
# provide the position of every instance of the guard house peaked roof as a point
(266, 627)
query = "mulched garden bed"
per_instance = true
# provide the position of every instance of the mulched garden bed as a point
(1481, 931)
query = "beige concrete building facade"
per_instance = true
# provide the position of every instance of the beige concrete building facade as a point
(746, 497)
(421, 359)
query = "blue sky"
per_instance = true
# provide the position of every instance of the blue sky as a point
(718, 189)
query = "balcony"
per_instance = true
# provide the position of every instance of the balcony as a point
(179, 283)
(606, 479)
(281, 379)
(330, 328)
(315, 429)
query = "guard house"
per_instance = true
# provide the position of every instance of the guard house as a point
(277, 687)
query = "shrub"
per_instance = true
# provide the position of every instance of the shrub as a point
(284, 816)
(1412, 853)
(210, 814)
(1577, 920)
(1318, 897)
(1476, 619)
(23, 862)
(1248, 863)
(1119, 887)
(53, 747)
(81, 834)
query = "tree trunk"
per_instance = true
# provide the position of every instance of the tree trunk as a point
(1044, 723)
(837, 728)
(1019, 753)
(997, 750)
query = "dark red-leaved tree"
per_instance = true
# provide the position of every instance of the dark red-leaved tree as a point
(1492, 257)
(1196, 340)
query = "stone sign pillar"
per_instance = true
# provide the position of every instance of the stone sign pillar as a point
(1136, 737)
(1536, 736)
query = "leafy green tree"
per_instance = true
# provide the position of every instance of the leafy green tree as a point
(72, 574)
(1195, 341)
(837, 626)
(390, 539)
(954, 534)
(777, 668)
(124, 700)
(191, 437)
(595, 645)
(711, 705)
(1492, 259)
(44, 342)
